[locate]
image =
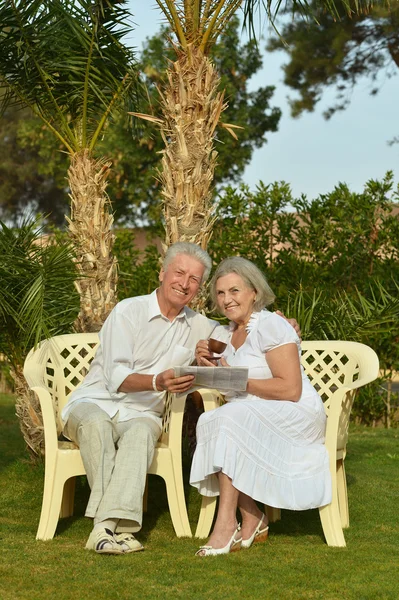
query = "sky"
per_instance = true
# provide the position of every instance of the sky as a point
(311, 154)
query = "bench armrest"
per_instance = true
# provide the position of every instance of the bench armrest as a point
(211, 398)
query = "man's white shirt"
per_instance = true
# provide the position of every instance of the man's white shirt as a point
(137, 338)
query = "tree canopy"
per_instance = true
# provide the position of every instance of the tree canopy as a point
(32, 175)
(339, 53)
(134, 189)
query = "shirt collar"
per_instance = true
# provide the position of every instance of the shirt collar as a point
(155, 311)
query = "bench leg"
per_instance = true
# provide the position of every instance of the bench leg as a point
(331, 522)
(273, 514)
(207, 513)
(51, 508)
(342, 494)
(68, 498)
(177, 508)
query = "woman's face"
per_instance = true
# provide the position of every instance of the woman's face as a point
(234, 298)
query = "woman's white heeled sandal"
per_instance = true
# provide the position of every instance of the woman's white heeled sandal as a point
(232, 546)
(259, 535)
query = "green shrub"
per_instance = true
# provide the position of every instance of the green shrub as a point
(333, 263)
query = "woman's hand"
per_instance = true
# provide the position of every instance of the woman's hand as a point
(177, 385)
(223, 362)
(203, 355)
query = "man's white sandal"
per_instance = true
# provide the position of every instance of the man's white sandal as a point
(232, 546)
(128, 542)
(259, 535)
(102, 541)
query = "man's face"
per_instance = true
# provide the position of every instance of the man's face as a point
(181, 281)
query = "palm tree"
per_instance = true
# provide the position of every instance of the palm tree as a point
(66, 61)
(192, 104)
(37, 299)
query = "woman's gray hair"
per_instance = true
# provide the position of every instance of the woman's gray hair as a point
(189, 250)
(250, 274)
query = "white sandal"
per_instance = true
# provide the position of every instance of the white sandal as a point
(128, 540)
(102, 541)
(232, 546)
(259, 535)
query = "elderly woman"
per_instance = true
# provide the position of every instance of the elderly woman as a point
(267, 443)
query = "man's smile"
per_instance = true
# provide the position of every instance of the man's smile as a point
(181, 292)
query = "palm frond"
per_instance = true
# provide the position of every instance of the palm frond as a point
(38, 298)
(307, 8)
(345, 316)
(44, 308)
(198, 23)
(67, 61)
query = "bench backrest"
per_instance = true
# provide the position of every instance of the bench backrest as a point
(62, 362)
(331, 365)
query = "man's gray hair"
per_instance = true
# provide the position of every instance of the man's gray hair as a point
(250, 274)
(189, 250)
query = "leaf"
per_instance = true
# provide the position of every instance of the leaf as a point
(150, 118)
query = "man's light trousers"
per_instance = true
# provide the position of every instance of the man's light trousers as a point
(116, 457)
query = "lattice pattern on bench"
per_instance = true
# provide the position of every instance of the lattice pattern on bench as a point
(63, 379)
(328, 370)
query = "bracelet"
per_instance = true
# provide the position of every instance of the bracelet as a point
(154, 382)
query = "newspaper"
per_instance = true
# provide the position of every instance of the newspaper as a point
(219, 378)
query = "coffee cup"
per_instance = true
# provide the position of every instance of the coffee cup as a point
(216, 346)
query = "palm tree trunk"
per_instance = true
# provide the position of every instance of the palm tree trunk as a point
(90, 230)
(191, 106)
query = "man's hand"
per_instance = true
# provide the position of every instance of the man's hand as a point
(293, 322)
(177, 385)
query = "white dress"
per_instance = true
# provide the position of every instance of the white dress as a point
(273, 450)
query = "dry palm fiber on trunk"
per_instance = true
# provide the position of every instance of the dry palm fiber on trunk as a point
(90, 228)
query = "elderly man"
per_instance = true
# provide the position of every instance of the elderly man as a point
(115, 416)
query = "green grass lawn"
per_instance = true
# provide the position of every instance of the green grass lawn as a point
(294, 564)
